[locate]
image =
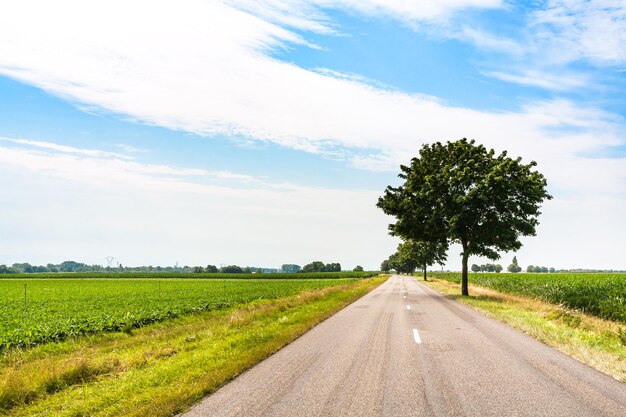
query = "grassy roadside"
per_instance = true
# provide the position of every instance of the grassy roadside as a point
(161, 369)
(596, 342)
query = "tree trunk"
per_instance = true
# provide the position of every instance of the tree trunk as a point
(464, 288)
(425, 266)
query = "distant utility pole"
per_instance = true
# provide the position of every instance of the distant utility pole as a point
(109, 260)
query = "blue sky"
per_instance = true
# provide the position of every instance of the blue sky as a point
(261, 132)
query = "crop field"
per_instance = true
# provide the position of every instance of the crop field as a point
(36, 311)
(600, 294)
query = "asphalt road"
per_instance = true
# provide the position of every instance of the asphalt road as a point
(405, 350)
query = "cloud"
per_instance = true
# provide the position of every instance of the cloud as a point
(310, 15)
(205, 69)
(583, 30)
(546, 80)
(488, 41)
(64, 148)
(141, 213)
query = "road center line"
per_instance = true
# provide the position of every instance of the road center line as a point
(416, 335)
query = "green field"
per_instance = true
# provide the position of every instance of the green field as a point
(36, 311)
(600, 294)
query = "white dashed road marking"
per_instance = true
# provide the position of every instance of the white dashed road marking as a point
(416, 335)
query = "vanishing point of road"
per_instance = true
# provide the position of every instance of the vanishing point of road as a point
(405, 350)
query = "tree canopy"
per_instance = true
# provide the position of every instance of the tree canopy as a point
(318, 266)
(460, 192)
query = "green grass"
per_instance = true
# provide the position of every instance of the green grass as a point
(600, 294)
(163, 368)
(49, 310)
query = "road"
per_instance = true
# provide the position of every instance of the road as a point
(405, 350)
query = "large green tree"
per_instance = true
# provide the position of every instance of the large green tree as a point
(464, 193)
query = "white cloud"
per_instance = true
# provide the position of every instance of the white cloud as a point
(488, 41)
(64, 148)
(582, 29)
(202, 69)
(309, 14)
(96, 206)
(547, 80)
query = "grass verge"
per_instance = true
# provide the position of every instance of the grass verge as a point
(596, 342)
(162, 369)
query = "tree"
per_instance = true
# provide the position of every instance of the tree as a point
(290, 268)
(198, 269)
(461, 192)
(412, 254)
(211, 269)
(402, 263)
(7, 270)
(475, 268)
(333, 267)
(530, 268)
(315, 266)
(358, 268)
(514, 267)
(425, 253)
(232, 269)
(551, 270)
(384, 266)
(498, 268)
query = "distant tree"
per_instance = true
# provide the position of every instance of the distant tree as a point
(231, 269)
(333, 267)
(491, 268)
(259, 271)
(498, 268)
(315, 266)
(402, 263)
(198, 269)
(425, 253)
(475, 268)
(530, 268)
(544, 269)
(290, 268)
(464, 193)
(211, 269)
(514, 267)
(551, 270)
(247, 270)
(384, 266)
(358, 268)
(7, 270)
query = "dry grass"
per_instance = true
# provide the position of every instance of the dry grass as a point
(161, 369)
(596, 342)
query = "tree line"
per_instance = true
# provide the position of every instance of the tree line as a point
(72, 266)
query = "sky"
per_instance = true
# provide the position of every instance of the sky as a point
(260, 133)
